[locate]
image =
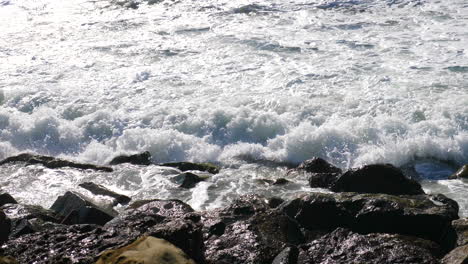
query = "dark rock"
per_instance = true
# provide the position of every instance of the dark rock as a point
(5, 226)
(287, 256)
(461, 173)
(76, 209)
(460, 227)
(280, 181)
(425, 216)
(378, 178)
(62, 244)
(188, 180)
(51, 162)
(343, 246)
(321, 173)
(171, 220)
(97, 189)
(317, 165)
(255, 239)
(248, 231)
(274, 202)
(186, 166)
(136, 159)
(457, 256)
(6, 198)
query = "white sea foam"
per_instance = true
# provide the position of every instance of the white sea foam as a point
(354, 82)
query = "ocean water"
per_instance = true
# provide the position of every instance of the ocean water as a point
(237, 83)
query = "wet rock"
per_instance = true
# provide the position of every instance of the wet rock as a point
(343, 246)
(460, 227)
(51, 162)
(248, 231)
(6, 198)
(26, 219)
(5, 226)
(188, 180)
(171, 220)
(148, 250)
(287, 256)
(317, 165)
(377, 178)
(62, 244)
(186, 166)
(97, 189)
(279, 181)
(457, 256)
(136, 159)
(424, 216)
(76, 209)
(461, 173)
(321, 173)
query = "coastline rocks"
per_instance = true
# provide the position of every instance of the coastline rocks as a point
(8, 260)
(461, 173)
(76, 209)
(248, 231)
(460, 227)
(136, 159)
(343, 246)
(171, 220)
(51, 162)
(26, 219)
(188, 166)
(424, 216)
(6, 198)
(377, 178)
(5, 226)
(457, 256)
(321, 173)
(188, 180)
(97, 189)
(148, 250)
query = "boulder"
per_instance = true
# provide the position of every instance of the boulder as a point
(461, 173)
(6, 198)
(26, 219)
(5, 226)
(52, 163)
(171, 220)
(248, 231)
(97, 189)
(343, 246)
(457, 256)
(148, 250)
(460, 227)
(279, 181)
(287, 256)
(62, 244)
(188, 180)
(321, 173)
(424, 216)
(136, 159)
(188, 166)
(317, 165)
(377, 178)
(76, 209)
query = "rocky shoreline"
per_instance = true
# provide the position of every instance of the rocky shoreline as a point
(373, 214)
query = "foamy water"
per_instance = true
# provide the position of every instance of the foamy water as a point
(354, 82)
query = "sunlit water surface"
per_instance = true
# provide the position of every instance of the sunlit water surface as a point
(354, 82)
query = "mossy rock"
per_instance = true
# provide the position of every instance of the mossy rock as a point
(145, 250)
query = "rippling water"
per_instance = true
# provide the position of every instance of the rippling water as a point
(354, 82)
